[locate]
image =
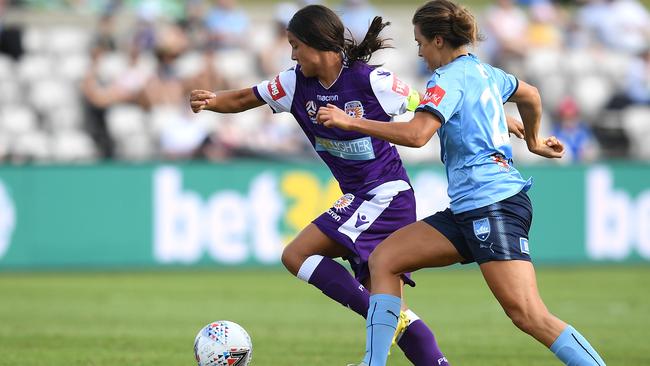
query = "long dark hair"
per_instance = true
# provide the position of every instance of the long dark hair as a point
(319, 27)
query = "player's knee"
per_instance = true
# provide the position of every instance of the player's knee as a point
(291, 260)
(526, 318)
(380, 262)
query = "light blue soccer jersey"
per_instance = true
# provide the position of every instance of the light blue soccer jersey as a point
(467, 96)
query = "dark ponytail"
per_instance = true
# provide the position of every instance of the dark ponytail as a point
(319, 27)
(371, 43)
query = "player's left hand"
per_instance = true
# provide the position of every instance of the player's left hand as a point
(515, 126)
(549, 147)
(332, 116)
(200, 99)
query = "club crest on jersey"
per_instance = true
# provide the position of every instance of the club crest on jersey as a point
(311, 109)
(434, 95)
(482, 228)
(344, 202)
(354, 109)
(400, 87)
(275, 88)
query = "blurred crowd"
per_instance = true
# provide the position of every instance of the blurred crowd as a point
(111, 80)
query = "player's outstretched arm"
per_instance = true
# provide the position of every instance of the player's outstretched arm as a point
(414, 133)
(227, 101)
(529, 104)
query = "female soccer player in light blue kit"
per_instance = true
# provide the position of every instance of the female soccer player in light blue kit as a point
(490, 213)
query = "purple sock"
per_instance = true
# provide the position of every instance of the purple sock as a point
(418, 342)
(420, 346)
(336, 282)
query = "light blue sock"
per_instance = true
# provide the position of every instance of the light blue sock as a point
(381, 322)
(574, 350)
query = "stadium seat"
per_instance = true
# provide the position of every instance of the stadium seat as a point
(636, 122)
(136, 147)
(10, 92)
(592, 92)
(16, 119)
(542, 62)
(34, 67)
(34, 145)
(72, 146)
(237, 65)
(34, 39)
(64, 118)
(111, 66)
(6, 68)
(68, 39)
(73, 67)
(49, 93)
(189, 64)
(125, 119)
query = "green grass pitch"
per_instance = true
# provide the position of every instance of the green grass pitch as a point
(151, 318)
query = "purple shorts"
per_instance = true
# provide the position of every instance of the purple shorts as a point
(361, 221)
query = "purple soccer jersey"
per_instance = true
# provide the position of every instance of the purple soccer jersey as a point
(378, 198)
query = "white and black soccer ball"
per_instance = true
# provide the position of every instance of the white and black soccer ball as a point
(223, 343)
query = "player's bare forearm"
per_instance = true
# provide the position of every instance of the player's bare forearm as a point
(233, 101)
(529, 104)
(227, 101)
(399, 133)
(414, 133)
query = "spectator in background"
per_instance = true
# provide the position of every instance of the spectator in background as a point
(276, 57)
(10, 35)
(506, 28)
(636, 89)
(356, 16)
(227, 25)
(544, 30)
(622, 25)
(99, 93)
(577, 137)
(193, 25)
(629, 26)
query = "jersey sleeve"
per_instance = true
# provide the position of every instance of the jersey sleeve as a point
(391, 92)
(278, 93)
(442, 98)
(506, 83)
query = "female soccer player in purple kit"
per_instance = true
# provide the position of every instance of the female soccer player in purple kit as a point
(378, 198)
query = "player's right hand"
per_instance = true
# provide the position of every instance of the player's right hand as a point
(199, 99)
(549, 147)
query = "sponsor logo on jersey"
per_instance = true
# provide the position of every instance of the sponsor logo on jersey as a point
(482, 228)
(275, 88)
(344, 202)
(311, 109)
(523, 245)
(383, 73)
(400, 87)
(433, 95)
(327, 98)
(501, 161)
(354, 109)
(358, 149)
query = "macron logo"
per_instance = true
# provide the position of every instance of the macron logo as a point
(434, 95)
(275, 88)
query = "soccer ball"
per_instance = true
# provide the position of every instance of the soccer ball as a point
(223, 343)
